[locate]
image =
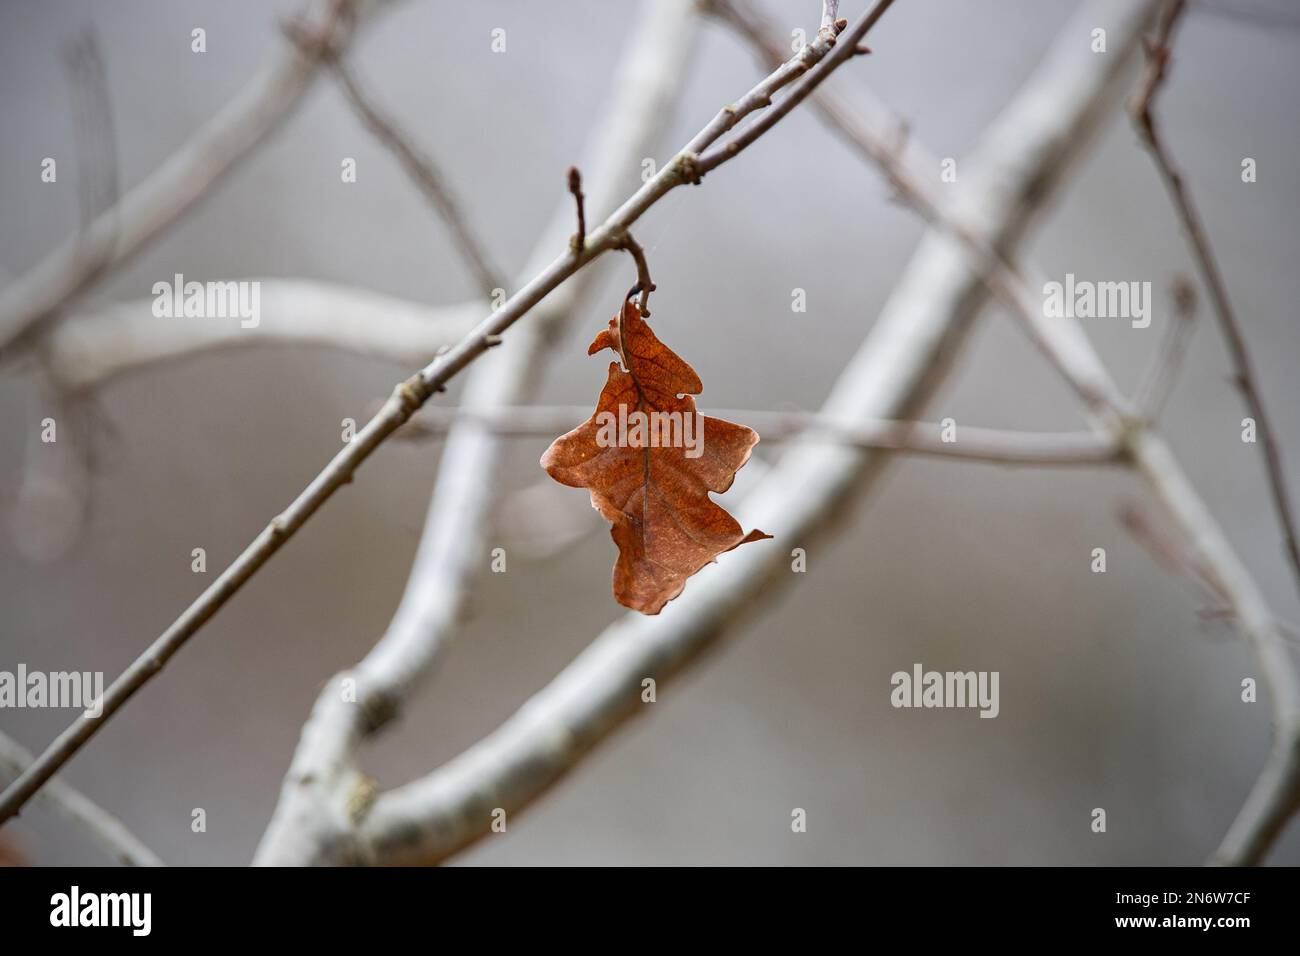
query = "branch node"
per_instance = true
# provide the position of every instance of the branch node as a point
(688, 168)
(410, 395)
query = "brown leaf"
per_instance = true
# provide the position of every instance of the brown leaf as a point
(652, 483)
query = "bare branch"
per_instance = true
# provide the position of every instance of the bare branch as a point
(991, 445)
(806, 493)
(323, 776)
(1277, 791)
(1158, 58)
(771, 117)
(422, 171)
(407, 397)
(29, 302)
(100, 825)
(90, 349)
(1159, 380)
(308, 821)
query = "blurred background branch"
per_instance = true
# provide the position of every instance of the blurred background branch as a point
(329, 809)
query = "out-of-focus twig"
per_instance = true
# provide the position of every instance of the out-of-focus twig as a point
(1172, 553)
(290, 835)
(426, 176)
(1276, 794)
(1159, 54)
(30, 302)
(100, 825)
(1154, 390)
(1024, 155)
(459, 518)
(54, 497)
(90, 349)
(93, 128)
(972, 443)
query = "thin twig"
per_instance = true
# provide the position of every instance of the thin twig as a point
(1173, 554)
(324, 776)
(897, 367)
(407, 397)
(840, 54)
(423, 172)
(1277, 791)
(1159, 380)
(972, 443)
(100, 825)
(97, 165)
(1158, 58)
(30, 302)
(579, 238)
(53, 500)
(644, 285)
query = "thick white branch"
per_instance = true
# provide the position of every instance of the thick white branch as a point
(168, 192)
(89, 349)
(1276, 794)
(324, 772)
(892, 373)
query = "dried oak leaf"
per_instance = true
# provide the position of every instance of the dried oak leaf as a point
(657, 498)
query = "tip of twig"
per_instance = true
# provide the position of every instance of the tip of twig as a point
(575, 180)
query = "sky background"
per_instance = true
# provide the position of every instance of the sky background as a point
(1114, 693)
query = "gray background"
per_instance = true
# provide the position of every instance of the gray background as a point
(1114, 694)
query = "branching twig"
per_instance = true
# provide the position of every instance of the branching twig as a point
(1158, 58)
(893, 371)
(407, 397)
(771, 117)
(28, 303)
(100, 825)
(1275, 795)
(324, 775)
